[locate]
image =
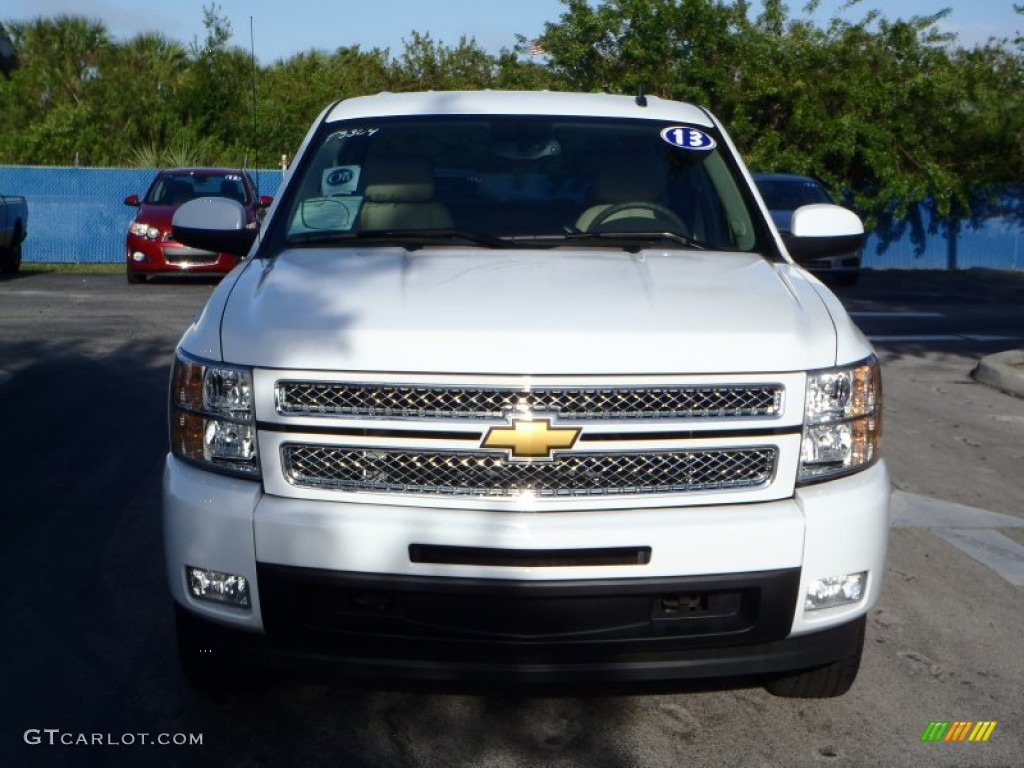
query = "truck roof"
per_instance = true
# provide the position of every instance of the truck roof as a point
(516, 103)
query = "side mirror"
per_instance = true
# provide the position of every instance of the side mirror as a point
(262, 204)
(213, 224)
(132, 200)
(821, 230)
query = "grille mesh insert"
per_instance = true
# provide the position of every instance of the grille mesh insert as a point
(568, 403)
(482, 474)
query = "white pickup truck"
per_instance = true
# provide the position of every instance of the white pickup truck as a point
(523, 387)
(13, 230)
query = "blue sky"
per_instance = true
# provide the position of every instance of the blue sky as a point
(283, 28)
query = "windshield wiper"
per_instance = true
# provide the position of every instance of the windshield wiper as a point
(410, 239)
(632, 237)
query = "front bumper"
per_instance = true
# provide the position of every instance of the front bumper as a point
(379, 644)
(170, 257)
(844, 265)
(347, 585)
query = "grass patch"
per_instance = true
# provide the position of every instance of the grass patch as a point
(85, 268)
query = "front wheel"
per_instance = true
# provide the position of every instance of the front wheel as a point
(845, 279)
(206, 670)
(824, 682)
(10, 257)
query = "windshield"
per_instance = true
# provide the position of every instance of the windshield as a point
(542, 179)
(179, 188)
(790, 194)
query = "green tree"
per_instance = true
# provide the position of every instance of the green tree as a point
(215, 100)
(426, 64)
(292, 92)
(49, 112)
(683, 49)
(890, 110)
(521, 69)
(140, 92)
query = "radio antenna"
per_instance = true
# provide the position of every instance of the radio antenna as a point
(255, 140)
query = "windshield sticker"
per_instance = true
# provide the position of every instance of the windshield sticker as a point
(351, 133)
(331, 214)
(688, 138)
(339, 180)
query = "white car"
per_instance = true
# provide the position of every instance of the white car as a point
(523, 387)
(784, 193)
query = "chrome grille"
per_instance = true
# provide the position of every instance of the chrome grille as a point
(482, 474)
(568, 403)
(184, 255)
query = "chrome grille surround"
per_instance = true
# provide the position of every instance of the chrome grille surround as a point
(568, 403)
(482, 474)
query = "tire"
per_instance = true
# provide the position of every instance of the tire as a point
(203, 669)
(135, 278)
(10, 257)
(824, 682)
(845, 279)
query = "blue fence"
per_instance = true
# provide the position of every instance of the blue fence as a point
(995, 242)
(78, 215)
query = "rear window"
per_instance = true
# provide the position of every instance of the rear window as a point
(790, 194)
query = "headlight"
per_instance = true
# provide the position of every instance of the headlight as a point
(842, 421)
(212, 418)
(141, 229)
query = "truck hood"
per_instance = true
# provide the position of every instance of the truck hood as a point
(561, 311)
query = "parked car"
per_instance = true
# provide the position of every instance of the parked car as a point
(150, 248)
(783, 193)
(523, 387)
(13, 230)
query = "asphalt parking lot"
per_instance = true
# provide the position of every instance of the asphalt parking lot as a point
(87, 628)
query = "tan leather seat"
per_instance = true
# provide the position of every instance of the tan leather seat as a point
(399, 194)
(625, 179)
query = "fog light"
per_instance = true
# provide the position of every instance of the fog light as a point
(218, 587)
(831, 591)
(138, 257)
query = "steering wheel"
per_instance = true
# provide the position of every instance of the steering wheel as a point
(659, 211)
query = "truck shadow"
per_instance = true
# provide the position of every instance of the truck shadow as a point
(87, 618)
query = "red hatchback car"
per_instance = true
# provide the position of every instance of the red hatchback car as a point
(150, 247)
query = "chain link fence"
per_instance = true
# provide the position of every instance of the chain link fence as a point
(77, 215)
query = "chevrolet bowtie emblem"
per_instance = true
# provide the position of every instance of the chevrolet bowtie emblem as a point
(531, 439)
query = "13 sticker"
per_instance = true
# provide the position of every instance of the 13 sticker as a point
(688, 138)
